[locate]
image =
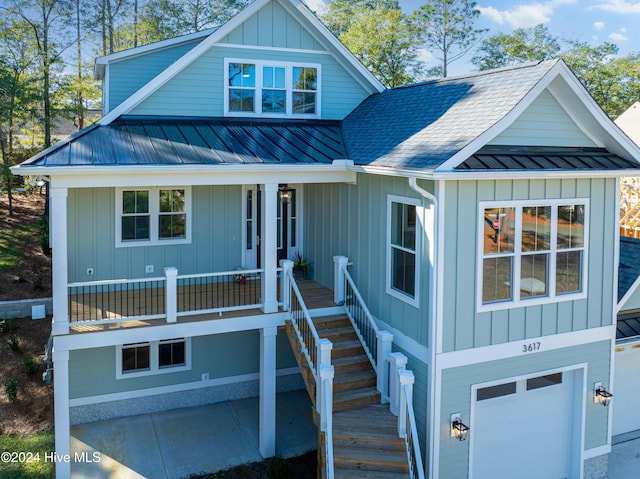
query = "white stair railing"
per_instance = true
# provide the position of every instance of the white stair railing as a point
(376, 343)
(326, 417)
(407, 429)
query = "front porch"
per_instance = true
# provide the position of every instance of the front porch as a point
(182, 442)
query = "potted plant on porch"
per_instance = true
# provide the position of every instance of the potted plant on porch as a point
(300, 267)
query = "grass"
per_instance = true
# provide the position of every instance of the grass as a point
(11, 245)
(27, 456)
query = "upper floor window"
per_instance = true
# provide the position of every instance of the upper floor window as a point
(403, 240)
(154, 215)
(271, 89)
(532, 252)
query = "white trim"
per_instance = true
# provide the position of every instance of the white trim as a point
(551, 296)
(616, 254)
(154, 358)
(577, 433)
(170, 72)
(216, 325)
(106, 86)
(154, 218)
(272, 49)
(257, 89)
(419, 228)
(249, 257)
(515, 348)
(186, 175)
(173, 388)
(597, 451)
(410, 345)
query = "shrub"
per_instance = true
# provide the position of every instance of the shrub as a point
(37, 283)
(11, 388)
(279, 468)
(6, 326)
(14, 342)
(29, 365)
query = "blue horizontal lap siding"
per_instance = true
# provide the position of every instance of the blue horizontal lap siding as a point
(92, 372)
(463, 327)
(129, 75)
(456, 396)
(215, 246)
(351, 220)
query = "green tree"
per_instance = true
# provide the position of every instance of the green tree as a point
(523, 45)
(447, 27)
(341, 14)
(386, 42)
(614, 82)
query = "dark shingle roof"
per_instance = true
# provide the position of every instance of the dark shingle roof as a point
(544, 158)
(422, 126)
(148, 141)
(629, 267)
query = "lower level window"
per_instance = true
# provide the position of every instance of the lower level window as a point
(153, 357)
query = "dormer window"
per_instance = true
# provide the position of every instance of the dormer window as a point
(271, 89)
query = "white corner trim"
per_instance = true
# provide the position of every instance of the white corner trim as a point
(138, 393)
(521, 347)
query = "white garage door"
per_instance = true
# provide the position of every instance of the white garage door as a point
(523, 429)
(626, 414)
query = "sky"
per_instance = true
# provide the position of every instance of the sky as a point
(591, 21)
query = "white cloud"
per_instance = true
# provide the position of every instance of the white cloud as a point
(618, 6)
(618, 37)
(599, 25)
(524, 16)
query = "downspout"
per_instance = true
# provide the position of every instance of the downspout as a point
(430, 432)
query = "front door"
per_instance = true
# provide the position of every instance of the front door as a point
(287, 231)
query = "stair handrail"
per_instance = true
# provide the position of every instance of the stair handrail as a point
(407, 428)
(376, 342)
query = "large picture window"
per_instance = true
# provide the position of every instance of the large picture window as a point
(271, 89)
(153, 357)
(402, 248)
(532, 250)
(146, 216)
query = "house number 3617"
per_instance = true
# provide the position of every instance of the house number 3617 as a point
(527, 348)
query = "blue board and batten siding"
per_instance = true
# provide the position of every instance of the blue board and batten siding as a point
(466, 328)
(351, 220)
(129, 75)
(456, 395)
(543, 123)
(198, 90)
(215, 246)
(92, 372)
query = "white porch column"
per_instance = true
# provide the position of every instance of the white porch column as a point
(61, 409)
(338, 278)
(269, 247)
(267, 434)
(59, 264)
(171, 293)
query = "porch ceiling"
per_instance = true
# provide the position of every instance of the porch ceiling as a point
(195, 141)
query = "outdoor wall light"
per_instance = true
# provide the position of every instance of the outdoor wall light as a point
(601, 395)
(459, 430)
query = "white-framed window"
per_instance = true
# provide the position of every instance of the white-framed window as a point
(532, 252)
(271, 89)
(403, 246)
(153, 357)
(153, 216)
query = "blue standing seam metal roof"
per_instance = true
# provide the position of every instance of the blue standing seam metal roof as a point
(156, 141)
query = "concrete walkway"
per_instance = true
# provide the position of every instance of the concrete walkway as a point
(181, 442)
(624, 460)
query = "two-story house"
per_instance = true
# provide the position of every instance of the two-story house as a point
(474, 219)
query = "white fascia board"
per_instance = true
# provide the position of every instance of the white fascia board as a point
(190, 175)
(343, 53)
(502, 124)
(634, 287)
(180, 64)
(100, 339)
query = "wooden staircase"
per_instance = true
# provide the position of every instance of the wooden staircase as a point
(365, 436)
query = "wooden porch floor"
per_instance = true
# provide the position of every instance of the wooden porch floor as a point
(315, 296)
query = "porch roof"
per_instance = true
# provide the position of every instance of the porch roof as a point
(197, 141)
